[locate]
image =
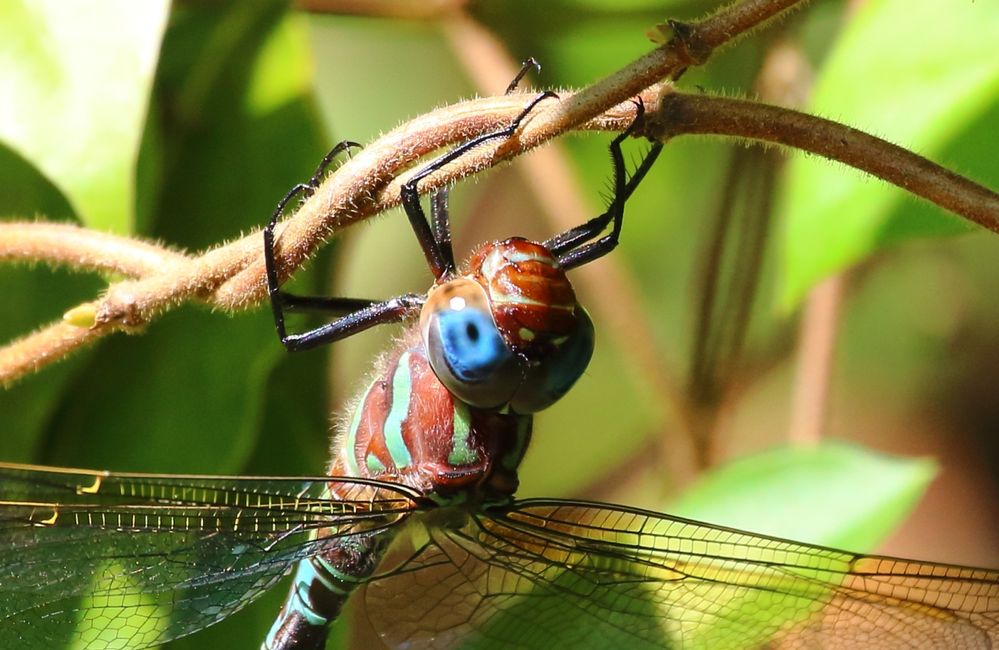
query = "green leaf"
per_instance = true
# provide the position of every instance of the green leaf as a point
(351, 105)
(922, 94)
(26, 408)
(831, 494)
(154, 409)
(75, 78)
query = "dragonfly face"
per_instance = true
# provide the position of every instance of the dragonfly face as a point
(509, 334)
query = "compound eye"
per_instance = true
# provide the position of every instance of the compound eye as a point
(546, 383)
(470, 345)
(465, 349)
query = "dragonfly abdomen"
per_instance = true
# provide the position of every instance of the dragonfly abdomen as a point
(319, 589)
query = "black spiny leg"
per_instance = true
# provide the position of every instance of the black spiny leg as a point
(441, 261)
(356, 314)
(573, 247)
(442, 227)
(435, 238)
(525, 67)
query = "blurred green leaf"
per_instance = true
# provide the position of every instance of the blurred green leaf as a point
(939, 85)
(232, 134)
(141, 406)
(75, 78)
(235, 149)
(831, 494)
(27, 407)
(413, 61)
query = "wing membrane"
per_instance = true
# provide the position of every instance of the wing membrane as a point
(547, 573)
(133, 560)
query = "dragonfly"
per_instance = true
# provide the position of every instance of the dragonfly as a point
(417, 514)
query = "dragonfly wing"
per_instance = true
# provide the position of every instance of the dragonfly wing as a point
(132, 561)
(546, 573)
(102, 591)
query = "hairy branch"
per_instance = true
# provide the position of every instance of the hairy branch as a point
(82, 249)
(333, 205)
(682, 113)
(231, 276)
(356, 191)
(370, 182)
(38, 349)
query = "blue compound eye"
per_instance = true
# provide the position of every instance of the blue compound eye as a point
(465, 349)
(471, 346)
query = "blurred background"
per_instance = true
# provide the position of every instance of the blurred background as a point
(783, 345)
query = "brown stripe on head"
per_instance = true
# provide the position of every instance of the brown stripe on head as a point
(532, 300)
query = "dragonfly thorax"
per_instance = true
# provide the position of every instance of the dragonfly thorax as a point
(509, 334)
(408, 428)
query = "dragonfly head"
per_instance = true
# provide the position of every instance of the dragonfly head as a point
(509, 334)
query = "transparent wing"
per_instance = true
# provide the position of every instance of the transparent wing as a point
(546, 574)
(132, 560)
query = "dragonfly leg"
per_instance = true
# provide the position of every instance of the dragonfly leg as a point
(525, 67)
(392, 310)
(355, 314)
(440, 258)
(329, 304)
(438, 200)
(574, 247)
(308, 189)
(442, 223)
